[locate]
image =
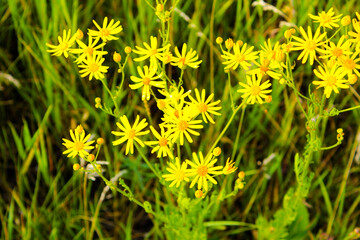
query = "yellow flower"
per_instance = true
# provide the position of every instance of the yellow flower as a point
(185, 59)
(204, 106)
(253, 90)
(64, 44)
(177, 173)
(203, 170)
(90, 49)
(350, 64)
(107, 30)
(266, 67)
(336, 51)
(269, 52)
(181, 125)
(356, 34)
(229, 167)
(130, 133)
(93, 67)
(326, 19)
(163, 143)
(239, 57)
(79, 143)
(147, 79)
(331, 79)
(151, 51)
(175, 96)
(309, 46)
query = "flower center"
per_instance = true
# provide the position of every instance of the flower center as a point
(182, 61)
(202, 107)
(337, 52)
(161, 104)
(89, 50)
(349, 64)
(255, 90)
(331, 81)
(153, 52)
(240, 57)
(146, 81)
(63, 46)
(202, 170)
(310, 45)
(180, 175)
(324, 18)
(131, 134)
(104, 32)
(183, 125)
(177, 114)
(162, 142)
(93, 67)
(78, 146)
(264, 68)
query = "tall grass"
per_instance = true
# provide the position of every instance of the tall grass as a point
(41, 197)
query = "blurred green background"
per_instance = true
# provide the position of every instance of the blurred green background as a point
(42, 97)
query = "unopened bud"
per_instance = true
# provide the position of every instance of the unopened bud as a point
(345, 21)
(199, 193)
(217, 151)
(79, 34)
(117, 57)
(219, 40)
(128, 50)
(91, 157)
(159, 7)
(229, 43)
(76, 167)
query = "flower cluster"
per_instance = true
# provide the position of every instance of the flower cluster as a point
(89, 57)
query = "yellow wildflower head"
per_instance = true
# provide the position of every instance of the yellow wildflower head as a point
(219, 40)
(229, 167)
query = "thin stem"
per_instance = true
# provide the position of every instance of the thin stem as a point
(111, 95)
(147, 161)
(349, 109)
(238, 132)
(330, 147)
(225, 128)
(231, 97)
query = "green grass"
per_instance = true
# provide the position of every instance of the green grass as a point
(42, 198)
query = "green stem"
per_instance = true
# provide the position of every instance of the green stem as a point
(225, 128)
(147, 161)
(330, 147)
(230, 91)
(238, 133)
(349, 109)
(180, 79)
(113, 186)
(111, 95)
